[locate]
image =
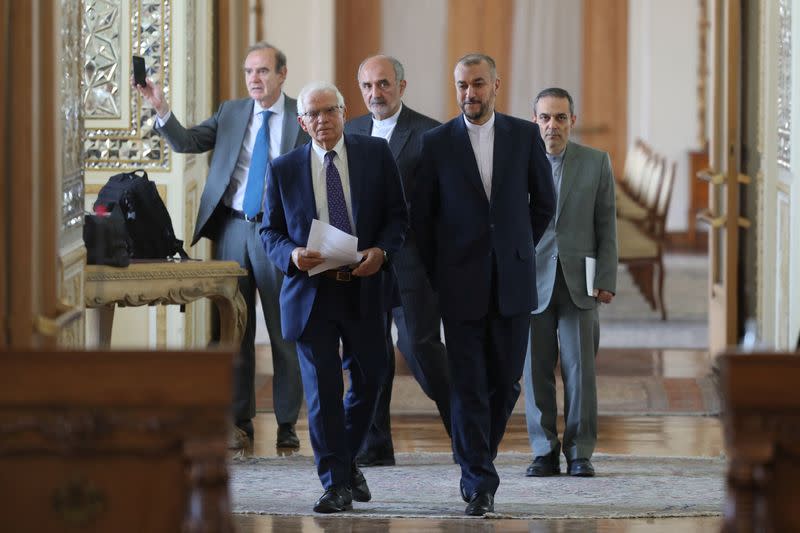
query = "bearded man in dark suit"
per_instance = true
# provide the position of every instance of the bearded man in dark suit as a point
(484, 197)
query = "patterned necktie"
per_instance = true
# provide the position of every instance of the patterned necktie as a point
(256, 176)
(337, 208)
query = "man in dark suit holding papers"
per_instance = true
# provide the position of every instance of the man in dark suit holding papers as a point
(352, 183)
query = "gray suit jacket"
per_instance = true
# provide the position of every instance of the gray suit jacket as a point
(584, 226)
(405, 143)
(224, 133)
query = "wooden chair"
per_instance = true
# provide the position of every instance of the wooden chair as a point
(641, 244)
(114, 441)
(761, 417)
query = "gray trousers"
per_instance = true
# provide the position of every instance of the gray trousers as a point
(239, 241)
(564, 330)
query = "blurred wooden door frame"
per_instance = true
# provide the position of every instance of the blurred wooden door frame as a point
(604, 92)
(33, 310)
(724, 176)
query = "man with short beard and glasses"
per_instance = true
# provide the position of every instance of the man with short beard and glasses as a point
(484, 197)
(382, 83)
(249, 130)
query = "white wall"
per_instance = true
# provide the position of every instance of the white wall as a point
(546, 50)
(662, 88)
(304, 30)
(415, 32)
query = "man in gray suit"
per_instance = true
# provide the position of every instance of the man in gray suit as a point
(382, 82)
(230, 215)
(565, 322)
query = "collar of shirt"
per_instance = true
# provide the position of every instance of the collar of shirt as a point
(481, 137)
(276, 108)
(320, 152)
(480, 129)
(384, 128)
(557, 158)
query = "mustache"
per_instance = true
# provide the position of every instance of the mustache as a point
(377, 101)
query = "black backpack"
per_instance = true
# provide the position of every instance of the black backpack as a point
(106, 238)
(146, 217)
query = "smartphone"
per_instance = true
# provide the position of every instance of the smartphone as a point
(139, 71)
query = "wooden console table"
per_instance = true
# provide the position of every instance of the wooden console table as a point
(164, 283)
(116, 441)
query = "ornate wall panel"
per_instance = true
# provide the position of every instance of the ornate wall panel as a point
(125, 137)
(102, 26)
(70, 118)
(72, 254)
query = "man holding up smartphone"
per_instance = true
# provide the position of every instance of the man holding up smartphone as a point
(245, 135)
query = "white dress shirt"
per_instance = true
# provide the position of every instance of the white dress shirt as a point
(234, 194)
(384, 128)
(482, 139)
(319, 182)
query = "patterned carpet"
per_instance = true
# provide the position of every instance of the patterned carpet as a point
(426, 485)
(629, 322)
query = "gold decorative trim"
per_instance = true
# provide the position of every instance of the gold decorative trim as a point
(130, 273)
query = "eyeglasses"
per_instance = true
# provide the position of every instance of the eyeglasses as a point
(327, 112)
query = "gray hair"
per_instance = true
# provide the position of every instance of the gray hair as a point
(280, 57)
(314, 87)
(477, 59)
(399, 71)
(556, 92)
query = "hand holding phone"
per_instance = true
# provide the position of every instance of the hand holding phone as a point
(139, 71)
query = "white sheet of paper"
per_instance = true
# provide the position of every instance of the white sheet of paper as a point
(336, 247)
(591, 265)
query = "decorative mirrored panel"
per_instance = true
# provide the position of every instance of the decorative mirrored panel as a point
(118, 127)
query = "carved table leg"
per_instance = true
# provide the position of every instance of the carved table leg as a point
(232, 318)
(105, 324)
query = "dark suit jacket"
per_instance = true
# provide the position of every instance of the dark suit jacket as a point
(405, 143)
(406, 147)
(458, 230)
(224, 133)
(379, 213)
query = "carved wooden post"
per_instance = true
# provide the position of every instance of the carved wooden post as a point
(208, 502)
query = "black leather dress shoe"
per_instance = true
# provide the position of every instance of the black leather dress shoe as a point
(374, 457)
(358, 485)
(480, 504)
(464, 495)
(545, 465)
(580, 468)
(287, 436)
(335, 500)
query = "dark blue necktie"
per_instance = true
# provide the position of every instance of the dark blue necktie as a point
(337, 208)
(256, 176)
